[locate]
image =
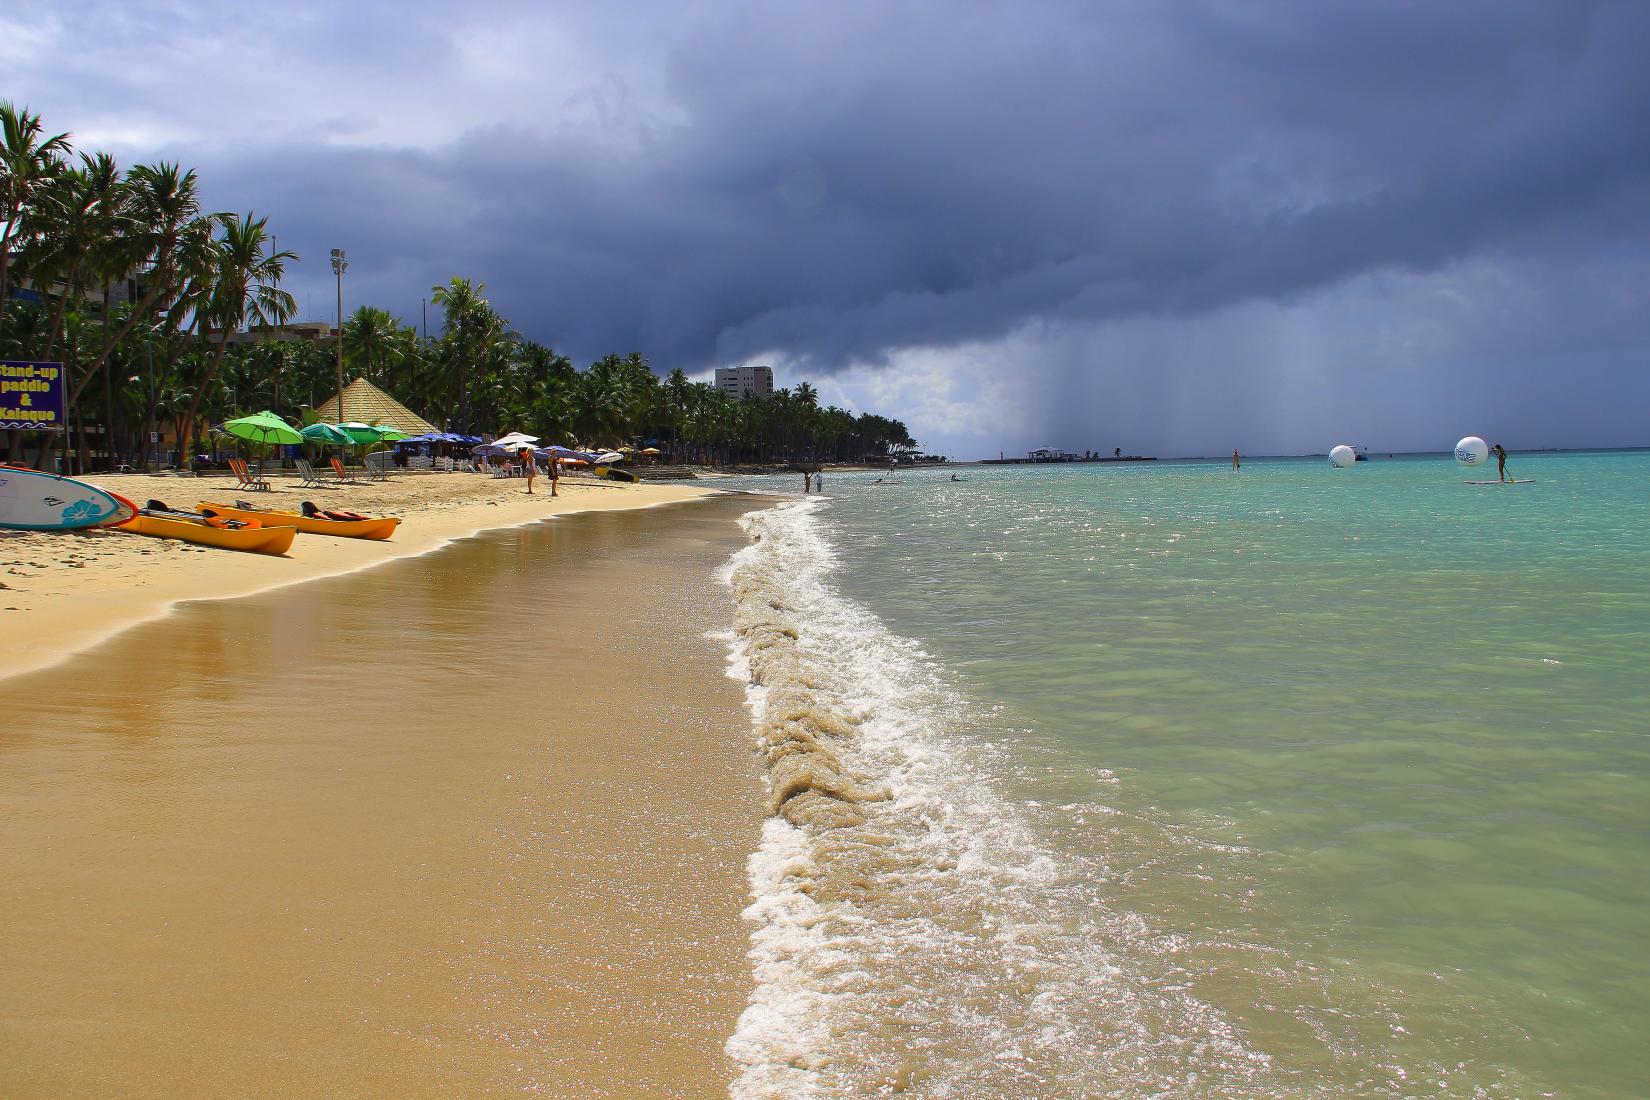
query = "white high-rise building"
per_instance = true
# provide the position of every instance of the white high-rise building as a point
(738, 381)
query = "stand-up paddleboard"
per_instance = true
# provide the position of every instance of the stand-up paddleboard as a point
(613, 475)
(128, 511)
(31, 500)
(1509, 481)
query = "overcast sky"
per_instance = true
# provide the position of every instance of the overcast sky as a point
(1174, 227)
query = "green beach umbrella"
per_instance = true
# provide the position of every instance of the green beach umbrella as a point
(264, 427)
(325, 434)
(363, 434)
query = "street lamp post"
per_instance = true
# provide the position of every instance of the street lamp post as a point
(339, 266)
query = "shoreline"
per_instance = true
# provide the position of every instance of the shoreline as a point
(101, 583)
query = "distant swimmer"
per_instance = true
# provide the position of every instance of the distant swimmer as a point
(954, 477)
(1236, 465)
(1500, 454)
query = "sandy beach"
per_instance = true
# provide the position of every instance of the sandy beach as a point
(467, 823)
(62, 592)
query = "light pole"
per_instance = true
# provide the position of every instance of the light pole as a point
(339, 266)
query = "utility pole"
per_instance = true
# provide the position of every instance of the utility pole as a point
(339, 266)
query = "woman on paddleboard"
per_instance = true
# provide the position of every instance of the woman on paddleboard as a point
(1500, 454)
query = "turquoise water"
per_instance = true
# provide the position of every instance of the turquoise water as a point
(1364, 753)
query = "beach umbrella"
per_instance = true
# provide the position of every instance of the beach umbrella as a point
(516, 440)
(264, 427)
(571, 462)
(652, 451)
(325, 434)
(362, 434)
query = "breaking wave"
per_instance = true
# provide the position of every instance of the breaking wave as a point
(912, 934)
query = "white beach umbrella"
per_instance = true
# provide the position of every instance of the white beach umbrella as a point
(516, 440)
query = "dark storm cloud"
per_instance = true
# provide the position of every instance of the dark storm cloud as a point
(838, 183)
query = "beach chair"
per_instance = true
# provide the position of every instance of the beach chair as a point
(343, 475)
(310, 479)
(378, 465)
(244, 477)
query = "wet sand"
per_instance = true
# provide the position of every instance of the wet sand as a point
(464, 824)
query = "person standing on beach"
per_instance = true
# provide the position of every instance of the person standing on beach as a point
(807, 483)
(531, 468)
(1236, 465)
(555, 472)
(1500, 454)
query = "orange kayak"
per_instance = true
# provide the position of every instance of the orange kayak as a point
(377, 527)
(252, 539)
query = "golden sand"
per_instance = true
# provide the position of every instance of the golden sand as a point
(468, 824)
(60, 592)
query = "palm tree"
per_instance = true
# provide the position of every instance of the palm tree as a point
(164, 212)
(372, 343)
(27, 163)
(462, 307)
(246, 291)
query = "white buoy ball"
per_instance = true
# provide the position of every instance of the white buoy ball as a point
(1342, 456)
(1472, 451)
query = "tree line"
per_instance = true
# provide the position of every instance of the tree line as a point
(138, 291)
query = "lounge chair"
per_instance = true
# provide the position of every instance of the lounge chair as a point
(244, 477)
(343, 475)
(378, 465)
(311, 479)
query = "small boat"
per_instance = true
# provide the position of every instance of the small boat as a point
(312, 520)
(159, 521)
(612, 474)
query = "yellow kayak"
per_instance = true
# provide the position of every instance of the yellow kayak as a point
(252, 538)
(369, 527)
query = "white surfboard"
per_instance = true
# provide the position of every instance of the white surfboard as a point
(34, 501)
(1510, 481)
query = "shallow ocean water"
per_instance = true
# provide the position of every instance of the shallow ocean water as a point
(1284, 781)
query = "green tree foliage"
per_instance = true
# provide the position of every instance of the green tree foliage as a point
(139, 291)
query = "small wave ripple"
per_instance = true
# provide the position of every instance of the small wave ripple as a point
(912, 935)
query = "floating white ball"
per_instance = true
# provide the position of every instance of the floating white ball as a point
(1472, 451)
(1342, 456)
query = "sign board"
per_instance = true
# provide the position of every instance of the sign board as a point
(32, 396)
(154, 437)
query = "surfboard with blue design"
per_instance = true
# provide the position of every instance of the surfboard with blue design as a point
(31, 500)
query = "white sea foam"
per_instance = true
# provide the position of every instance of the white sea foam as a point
(912, 934)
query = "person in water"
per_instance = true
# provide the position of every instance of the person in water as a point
(1236, 465)
(1500, 454)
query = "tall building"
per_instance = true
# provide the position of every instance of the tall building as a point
(738, 381)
